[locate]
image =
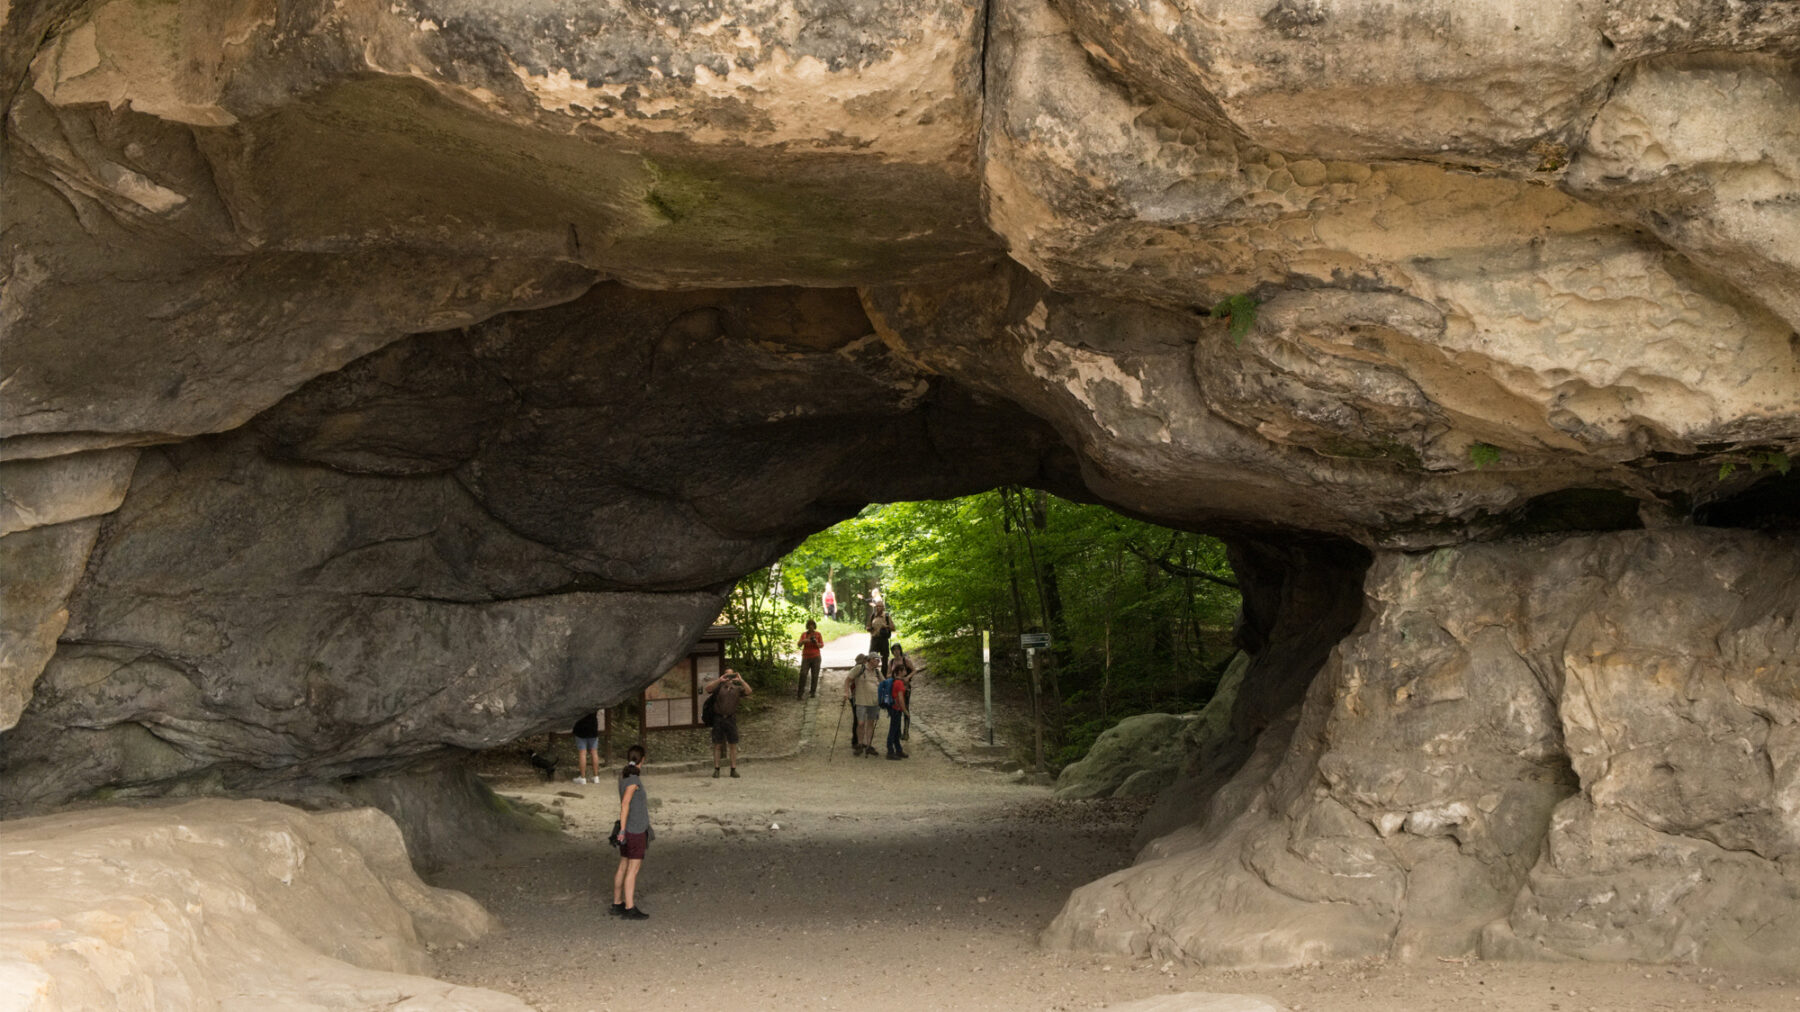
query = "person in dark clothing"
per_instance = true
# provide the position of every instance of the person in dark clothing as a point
(634, 835)
(727, 689)
(898, 690)
(881, 630)
(901, 666)
(587, 746)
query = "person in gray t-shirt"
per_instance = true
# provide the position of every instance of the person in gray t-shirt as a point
(634, 835)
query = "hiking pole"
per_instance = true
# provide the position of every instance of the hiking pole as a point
(829, 756)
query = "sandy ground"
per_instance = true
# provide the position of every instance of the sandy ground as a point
(919, 884)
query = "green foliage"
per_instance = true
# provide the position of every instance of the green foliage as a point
(848, 557)
(1758, 460)
(762, 619)
(1483, 454)
(1135, 625)
(829, 628)
(1241, 311)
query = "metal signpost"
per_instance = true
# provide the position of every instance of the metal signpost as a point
(987, 682)
(1033, 642)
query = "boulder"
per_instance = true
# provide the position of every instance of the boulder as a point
(1571, 748)
(1135, 757)
(206, 903)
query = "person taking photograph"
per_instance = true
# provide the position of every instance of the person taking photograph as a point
(727, 689)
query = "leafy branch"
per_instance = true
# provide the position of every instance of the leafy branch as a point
(1167, 565)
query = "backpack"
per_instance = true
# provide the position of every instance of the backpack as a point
(885, 694)
(706, 710)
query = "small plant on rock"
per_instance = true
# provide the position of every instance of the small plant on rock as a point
(1483, 454)
(1240, 310)
(1775, 460)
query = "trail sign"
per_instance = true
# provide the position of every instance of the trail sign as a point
(1034, 639)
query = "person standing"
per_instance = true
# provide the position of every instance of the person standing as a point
(881, 630)
(811, 642)
(830, 601)
(634, 835)
(863, 687)
(727, 689)
(898, 692)
(901, 666)
(587, 746)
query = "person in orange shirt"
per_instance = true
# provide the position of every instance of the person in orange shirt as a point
(811, 642)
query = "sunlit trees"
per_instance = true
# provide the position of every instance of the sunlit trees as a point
(1139, 615)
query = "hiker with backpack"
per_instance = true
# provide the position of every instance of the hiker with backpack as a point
(726, 690)
(863, 688)
(901, 667)
(892, 692)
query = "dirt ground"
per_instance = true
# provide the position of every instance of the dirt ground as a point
(830, 882)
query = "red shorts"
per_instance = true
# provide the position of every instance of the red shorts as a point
(636, 844)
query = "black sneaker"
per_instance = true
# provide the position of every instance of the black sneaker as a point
(634, 914)
(617, 909)
(734, 775)
(715, 773)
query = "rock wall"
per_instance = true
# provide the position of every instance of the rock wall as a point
(1583, 747)
(467, 538)
(208, 904)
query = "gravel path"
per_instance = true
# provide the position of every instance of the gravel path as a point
(915, 885)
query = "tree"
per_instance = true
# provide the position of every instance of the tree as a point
(1140, 615)
(762, 617)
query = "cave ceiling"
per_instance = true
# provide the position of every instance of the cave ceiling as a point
(481, 317)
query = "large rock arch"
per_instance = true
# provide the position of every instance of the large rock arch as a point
(377, 376)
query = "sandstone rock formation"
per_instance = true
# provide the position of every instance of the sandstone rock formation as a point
(1588, 747)
(1138, 756)
(210, 903)
(385, 380)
